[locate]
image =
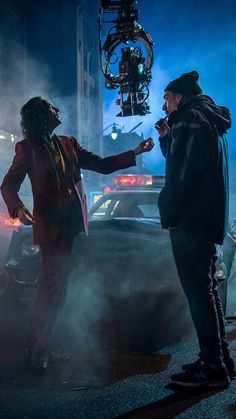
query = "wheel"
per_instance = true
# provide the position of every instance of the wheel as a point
(11, 288)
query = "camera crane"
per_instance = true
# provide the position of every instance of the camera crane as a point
(134, 74)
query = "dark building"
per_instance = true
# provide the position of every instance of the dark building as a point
(89, 77)
(50, 48)
(12, 65)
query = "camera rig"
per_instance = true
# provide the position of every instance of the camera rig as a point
(134, 74)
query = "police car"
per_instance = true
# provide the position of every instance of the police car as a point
(128, 256)
(133, 196)
(7, 224)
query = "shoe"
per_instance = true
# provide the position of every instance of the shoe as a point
(204, 376)
(37, 364)
(229, 363)
(194, 366)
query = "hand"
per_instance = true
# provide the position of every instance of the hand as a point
(25, 216)
(162, 127)
(144, 146)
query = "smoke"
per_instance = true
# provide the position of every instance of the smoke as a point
(22, 77)
(79, 332)
(83, 312)
(38, 83)
(122, 307)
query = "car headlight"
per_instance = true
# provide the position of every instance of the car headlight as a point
(28, 249)
(221, 272)
(233, 236)
(232, 231)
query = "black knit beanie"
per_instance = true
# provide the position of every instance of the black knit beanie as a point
(187, 84)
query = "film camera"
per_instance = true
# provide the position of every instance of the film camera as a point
(114, 5)
(134, 67)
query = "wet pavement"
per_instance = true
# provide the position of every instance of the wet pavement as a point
(131, 386)
(101, 382)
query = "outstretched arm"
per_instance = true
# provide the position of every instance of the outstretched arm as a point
(144, 146)
(90, 161)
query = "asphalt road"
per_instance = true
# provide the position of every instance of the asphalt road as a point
(100, 382)
(134, 386)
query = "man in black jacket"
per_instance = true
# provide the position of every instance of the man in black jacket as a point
(194, 207)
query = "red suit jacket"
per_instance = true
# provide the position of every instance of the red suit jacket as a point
(32, 158)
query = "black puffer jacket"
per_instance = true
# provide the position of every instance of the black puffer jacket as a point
(196, 190)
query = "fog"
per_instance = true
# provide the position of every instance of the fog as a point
(185, 39)
(117, 300)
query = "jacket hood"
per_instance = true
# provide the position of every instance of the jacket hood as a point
(216, 115)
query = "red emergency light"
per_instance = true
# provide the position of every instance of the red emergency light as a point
(132, 180)
(9, 222)
(107, 189)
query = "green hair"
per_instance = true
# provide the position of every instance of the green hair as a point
(34, 116)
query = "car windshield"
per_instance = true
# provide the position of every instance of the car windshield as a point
(126, 204)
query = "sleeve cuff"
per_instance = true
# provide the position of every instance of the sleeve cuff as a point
(15, 211)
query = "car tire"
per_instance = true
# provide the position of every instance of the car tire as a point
(10, 292)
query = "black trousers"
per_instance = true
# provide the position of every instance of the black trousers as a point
(51, 293)
(195, 257)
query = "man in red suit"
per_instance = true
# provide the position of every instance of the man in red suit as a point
(53, 165)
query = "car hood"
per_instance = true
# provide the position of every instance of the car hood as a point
(148, 226)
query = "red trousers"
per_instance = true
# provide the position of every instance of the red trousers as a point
(51, 293)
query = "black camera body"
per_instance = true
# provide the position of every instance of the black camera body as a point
(161, 123)
(134, 68)
(114, 5)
